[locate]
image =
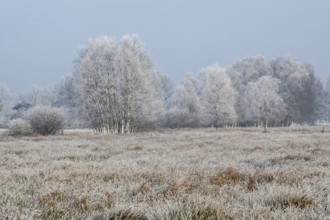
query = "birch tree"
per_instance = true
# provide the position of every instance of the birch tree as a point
(40, 96)
(219, 97)
(242, 72)
(69, 103)
(263, 103)
(6, 102)
(163, 89)
(4, 97)
(184, 105)
(113, 80)
(297, 87)
(135, 83)
(326, 101)
(95, 67)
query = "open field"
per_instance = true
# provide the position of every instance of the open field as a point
(170, 174)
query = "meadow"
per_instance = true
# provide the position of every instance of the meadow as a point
(238, 173)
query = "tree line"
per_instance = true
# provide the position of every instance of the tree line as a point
(113, 89)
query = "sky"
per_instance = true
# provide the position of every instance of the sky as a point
(39, 39)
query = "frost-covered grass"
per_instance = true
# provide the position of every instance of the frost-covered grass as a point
(170, 174)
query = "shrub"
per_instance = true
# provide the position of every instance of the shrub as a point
(19, 127)
(45, 120)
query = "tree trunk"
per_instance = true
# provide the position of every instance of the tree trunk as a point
(265, 125)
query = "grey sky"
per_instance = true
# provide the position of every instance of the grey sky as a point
(39, 38)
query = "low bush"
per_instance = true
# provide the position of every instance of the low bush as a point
(45, 120)
(19, 127)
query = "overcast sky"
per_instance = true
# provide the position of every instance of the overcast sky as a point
(39, 39)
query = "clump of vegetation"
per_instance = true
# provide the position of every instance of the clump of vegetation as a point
(184, 186)
(19, 127)
(227, 176)
(288, 158)
(301, 202)
(193, 210)
(127, 215)
(259, 178)
(45, 120)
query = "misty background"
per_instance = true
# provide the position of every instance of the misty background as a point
(39, 39)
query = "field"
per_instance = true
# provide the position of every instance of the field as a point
(167, 174)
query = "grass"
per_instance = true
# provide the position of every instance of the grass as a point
(167, 174)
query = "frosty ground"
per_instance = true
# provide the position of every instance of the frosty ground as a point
(239, 173)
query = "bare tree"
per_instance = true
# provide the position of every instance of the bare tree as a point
(326, 101)
(135, 84)
(298, 88)
(40, 95)
(113, 81)
(4, 97)
(163, 89)
(219, 97)
(68, 102)
(184, 105)
(242, 72)
(6, 103)
(262, 101)
(96, 83)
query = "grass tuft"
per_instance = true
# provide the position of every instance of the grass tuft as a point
(82, 203)
(194, 211)
(227, 176)
(126, 215)
(282, 202)
(259, 178)
(144, 188)
(185, 186)
(51, 200)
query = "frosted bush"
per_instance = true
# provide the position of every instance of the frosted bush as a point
(19, 127)
(45, 120)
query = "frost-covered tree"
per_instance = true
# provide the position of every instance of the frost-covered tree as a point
(298, 88)
(6, 103)
(249, 69)
(163, 89)
(113, 80)
(242, 72)
(65, 92)
(36, 96)
(262, 101)
(136, 83)
(219, 97)
(326, 102)
(184, 105)
(95, 81)
(40, 96)
(319, 91)
(67, 101)
(5, 97)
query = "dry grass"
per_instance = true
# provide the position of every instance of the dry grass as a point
(170, 174)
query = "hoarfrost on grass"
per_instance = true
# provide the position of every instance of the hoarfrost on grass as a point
(167, 174)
